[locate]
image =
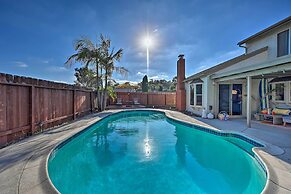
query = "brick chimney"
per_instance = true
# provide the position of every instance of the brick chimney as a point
(180, 89)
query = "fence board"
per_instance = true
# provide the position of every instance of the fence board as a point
(28, 105)
(158, 99)
(3, 112)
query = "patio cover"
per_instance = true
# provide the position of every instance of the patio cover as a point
(270, 69)
(280, 79)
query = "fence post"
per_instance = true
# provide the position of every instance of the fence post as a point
(74, 104)
(32, 121)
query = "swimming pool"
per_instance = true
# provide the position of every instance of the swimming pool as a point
(146, 152)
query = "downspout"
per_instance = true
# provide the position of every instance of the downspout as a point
(246, 49)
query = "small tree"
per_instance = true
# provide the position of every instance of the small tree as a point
(85, 77)
(145, 84)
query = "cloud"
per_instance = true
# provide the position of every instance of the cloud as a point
(45, 61)
(121, 81)
(38, 60)
(140, 74)
(20, 64)
(201, 68)
(159, 76)
(57, 69)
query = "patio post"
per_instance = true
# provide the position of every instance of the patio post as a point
(249, 112)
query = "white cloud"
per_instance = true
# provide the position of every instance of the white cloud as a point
(159, 76)
(201, 68)
(20, 64)
(140, 74)
(45, 61)
(121, 81)
(57, 69)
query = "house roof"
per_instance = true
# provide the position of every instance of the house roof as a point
(281, 64)
(225, 64)
(198, 80)
(288, 19)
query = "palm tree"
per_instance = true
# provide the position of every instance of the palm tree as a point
(101, 57)
(88, 54)
(108, 59)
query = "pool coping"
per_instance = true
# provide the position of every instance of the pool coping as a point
(259, 152)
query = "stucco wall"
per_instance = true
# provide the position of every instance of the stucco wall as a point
(269, 39)
(211, 96)
(260, 58)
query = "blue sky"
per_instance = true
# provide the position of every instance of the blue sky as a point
(36, 36)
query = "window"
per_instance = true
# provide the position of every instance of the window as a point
(191, 95)
(283, 43)
(198, 95)
(279, 92)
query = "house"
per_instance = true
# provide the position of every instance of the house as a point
(234, 85)
(126, 87)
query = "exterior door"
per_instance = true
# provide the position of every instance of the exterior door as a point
(230, 98)
(224, 97)
(236, 99)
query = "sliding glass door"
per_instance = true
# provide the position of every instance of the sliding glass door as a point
(224, 98)
(230, 98)
(236, 99)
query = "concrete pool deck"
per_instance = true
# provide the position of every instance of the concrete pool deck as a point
(23, 164)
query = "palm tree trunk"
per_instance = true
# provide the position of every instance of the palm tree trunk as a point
(103, 97)
(97, 80)
(105, 88)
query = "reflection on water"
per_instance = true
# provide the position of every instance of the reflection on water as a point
(147, 148)
(106, 149)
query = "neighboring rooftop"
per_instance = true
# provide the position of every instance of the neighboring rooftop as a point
(276, 25)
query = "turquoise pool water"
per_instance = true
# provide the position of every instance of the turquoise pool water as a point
(145, 152)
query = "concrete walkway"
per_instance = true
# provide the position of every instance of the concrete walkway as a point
(23, 164)
(273, 134)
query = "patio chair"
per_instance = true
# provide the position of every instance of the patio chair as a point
(119, 101)
(135, 101)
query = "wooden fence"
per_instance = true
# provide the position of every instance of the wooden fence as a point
(29, 105)
(157, 99)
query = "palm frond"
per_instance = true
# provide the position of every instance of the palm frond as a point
(117, 56)
(71, 60)
(121, 70)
